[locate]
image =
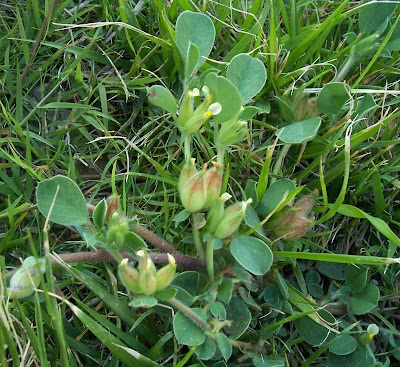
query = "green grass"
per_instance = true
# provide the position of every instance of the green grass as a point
(73, 102)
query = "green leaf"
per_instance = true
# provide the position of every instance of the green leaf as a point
(163, 98)
(364, 301)
(285, 110)
(251, 218)
(225, 290)
(224, 346)
(145, 302)
(332, 97)
(332, 270)
(134, 241)
(69, 206)
(207, 350)
(218, 310)
(166, 294)
(99, 214)
(226, 94)
(195, 28)
(299, 132)
(374, 15)
(248, 74)
(240, 316)
(191, 60)
(312, 332)
(186, 331)
(343, 345)
(249, 112)
(356, 277)
(252, 253)
(274, 195)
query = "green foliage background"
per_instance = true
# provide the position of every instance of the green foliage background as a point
(73, 102)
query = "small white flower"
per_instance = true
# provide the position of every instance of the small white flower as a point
(194, 93)
(215, 108)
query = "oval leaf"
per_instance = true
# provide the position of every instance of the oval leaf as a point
(248, 74)
(374, 15)
(163, 98)
(299, 132)
(226, 94)
(195, 28)
(274, 195)
(240, 316)
(69, 206)
(253, 254)
(366, 300)
(332, 97)
(343, 345)
(186, 331)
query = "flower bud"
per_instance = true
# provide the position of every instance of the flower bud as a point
(112, 206)
(213, 182)
(232, 219)
(145, 261)
(193, 194)
(216, 213)
(147, 279)
(281, 218)
(303, 107)
(296, 228)
(305, 204)
(188, 171)
(129, 276)
(166, 274)
(186, 109)
(26, 278)
(365, 46)
(232, 132)
(200, 116)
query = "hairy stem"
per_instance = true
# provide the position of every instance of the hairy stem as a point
(197, 240)
(147, 235)
(189, 312)
(210, 258)
(190, 263)
(188, 141)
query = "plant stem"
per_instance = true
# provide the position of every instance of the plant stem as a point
(210, 258)
(147, 235)
(187, 143)
(190, 263)
(117, 255)
(220, 154)
(189, 312)
(197, 240)
(345, 69)
(279, 161)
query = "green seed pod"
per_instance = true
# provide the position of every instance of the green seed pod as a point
(213, 182)
(186, 108)
(144, 261)
(129, 276)
(112, 206)
(193, 194)
(166, 274)
(147, 279)
(305, 204)
(296, 228)
(216, 213)
(232, 219)
(26, 278)
(188, 171)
